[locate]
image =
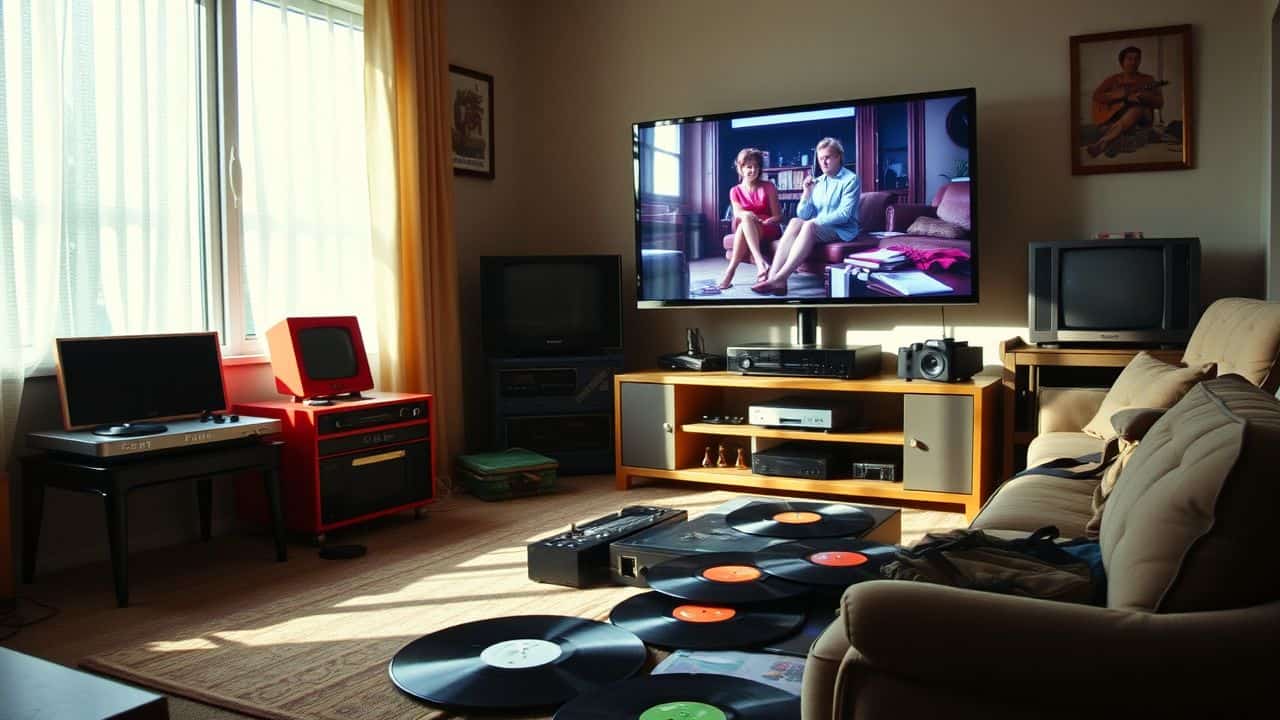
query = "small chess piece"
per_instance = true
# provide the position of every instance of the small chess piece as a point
(721, 460)
(706, 459)
(740, 463)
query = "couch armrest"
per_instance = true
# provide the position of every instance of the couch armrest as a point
(897, 218)
(1067, 409)
(955, 636)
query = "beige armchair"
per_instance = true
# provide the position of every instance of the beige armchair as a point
(1191, 627)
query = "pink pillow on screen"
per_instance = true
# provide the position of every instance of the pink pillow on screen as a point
(954, 207)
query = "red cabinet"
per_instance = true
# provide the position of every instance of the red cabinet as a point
(350, 461)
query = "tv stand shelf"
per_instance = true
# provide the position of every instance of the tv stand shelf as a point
(942, 435)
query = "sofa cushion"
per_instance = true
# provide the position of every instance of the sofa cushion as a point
(1190, 526)
(936, 227)
(1145, 382)
(1051, 446)
(1030, 502)
(954, 207)
(1243, 337)
(872, 207)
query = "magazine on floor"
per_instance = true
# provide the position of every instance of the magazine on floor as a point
(781, 671)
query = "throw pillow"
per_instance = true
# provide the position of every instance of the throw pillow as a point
(1145, 383)
(933, 227)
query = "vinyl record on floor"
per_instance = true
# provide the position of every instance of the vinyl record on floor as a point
(674, 623)
(798, 519)
(682, 695)
(506, 663)
(727, 577)
(826, 561)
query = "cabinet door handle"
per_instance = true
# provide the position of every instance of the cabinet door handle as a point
(916, 444)
(375, 459)
(667, 427)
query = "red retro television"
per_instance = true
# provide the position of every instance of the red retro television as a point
(317, 357)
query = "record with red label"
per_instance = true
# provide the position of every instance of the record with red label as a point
(684, 695)
(674, 623)
(799, 519)
(507, 663)
(826, 561)
(728, 577)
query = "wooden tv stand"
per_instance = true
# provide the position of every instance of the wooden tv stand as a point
(944, 435)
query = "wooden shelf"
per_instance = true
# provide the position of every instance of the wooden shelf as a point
(944, 435)
(883, 437)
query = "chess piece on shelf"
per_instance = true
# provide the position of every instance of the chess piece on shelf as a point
(706, 459)
(721, 460)
(740, 463)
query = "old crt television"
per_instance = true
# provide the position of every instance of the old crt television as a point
(112, 383)
(316, 357)
(1114, 291)
(551, 304)
(910, 221)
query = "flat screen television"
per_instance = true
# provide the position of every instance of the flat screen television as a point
(892, 214)
(551, 304)
(319, 357)
(1114, 291)
(110, 382)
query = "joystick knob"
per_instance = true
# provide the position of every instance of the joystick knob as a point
(744, 363)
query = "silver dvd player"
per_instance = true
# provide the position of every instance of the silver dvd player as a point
(178, 434)
(806, 413)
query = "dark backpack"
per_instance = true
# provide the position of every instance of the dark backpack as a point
(1033, 566)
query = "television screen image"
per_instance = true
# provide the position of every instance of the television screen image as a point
(127, 378)
(319, 357)
(858, 202)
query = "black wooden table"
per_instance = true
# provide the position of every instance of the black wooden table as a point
(114, 479)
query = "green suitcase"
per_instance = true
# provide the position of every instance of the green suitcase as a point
(507, 474)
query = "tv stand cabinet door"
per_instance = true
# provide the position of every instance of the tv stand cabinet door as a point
(938, 437)
(648, 425)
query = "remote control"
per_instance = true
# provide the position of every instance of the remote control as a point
(579, 556)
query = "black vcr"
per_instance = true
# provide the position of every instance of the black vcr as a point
(336, 422)
(853, 361)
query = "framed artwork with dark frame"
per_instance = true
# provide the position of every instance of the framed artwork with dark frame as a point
(1131, 101)
(472, 122)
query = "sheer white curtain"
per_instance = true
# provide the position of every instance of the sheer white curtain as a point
(305, 198)
(100, 177)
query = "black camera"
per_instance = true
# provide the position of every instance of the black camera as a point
(942, 360)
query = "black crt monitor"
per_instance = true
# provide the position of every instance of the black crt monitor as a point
(115, 381)
(328, 353)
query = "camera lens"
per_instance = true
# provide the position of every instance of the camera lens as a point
(933, 365)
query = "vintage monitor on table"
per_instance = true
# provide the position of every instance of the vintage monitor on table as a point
(319, 358)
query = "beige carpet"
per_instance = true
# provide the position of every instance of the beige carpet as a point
(320, 649)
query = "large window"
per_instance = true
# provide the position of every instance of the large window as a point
(662, 172)
(171, 165)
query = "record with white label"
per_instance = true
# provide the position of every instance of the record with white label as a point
(508, 663)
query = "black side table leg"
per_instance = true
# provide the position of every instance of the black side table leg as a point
(204, 496)
(118, 538)
(32, 517)
(271, 479)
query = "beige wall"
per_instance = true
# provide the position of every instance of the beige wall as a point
(573, 76)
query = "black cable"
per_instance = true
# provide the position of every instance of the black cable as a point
(12, 620)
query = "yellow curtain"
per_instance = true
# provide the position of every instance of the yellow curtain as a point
(411, 204)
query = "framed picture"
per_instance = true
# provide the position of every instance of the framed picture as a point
(472, 124)
(1131, 101)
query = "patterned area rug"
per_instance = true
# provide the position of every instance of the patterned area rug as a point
(320, 650)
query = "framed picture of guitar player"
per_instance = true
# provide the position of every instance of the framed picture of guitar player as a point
(1131, 101)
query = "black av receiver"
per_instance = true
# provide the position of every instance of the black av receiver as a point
(853, 361)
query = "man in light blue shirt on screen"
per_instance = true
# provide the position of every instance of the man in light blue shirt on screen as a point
(827, 213)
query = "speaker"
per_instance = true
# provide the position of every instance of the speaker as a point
(944, 360)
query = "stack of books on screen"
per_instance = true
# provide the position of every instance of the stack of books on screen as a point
(880, 259)
(906, 283)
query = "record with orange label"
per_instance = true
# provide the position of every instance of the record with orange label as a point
(798, 519)
(826, 561)
(728, 577)
(509, 663)
(683, 695)
(671, 622)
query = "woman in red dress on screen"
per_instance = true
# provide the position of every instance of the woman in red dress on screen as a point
(756, 215)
